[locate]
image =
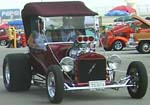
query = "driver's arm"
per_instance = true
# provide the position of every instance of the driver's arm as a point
(78, 32)
(31, 41)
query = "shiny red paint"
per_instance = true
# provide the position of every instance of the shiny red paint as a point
(90, 56)
(119, 32)
(60, 50)
(4, 34)
(42, 59)
(87, 57)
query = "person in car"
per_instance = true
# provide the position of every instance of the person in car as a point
(67, 30)
(103, 31)
(37, 38)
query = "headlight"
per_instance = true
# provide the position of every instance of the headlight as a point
(114, 61)
(67, 63)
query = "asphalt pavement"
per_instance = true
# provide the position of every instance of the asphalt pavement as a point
(38, 96)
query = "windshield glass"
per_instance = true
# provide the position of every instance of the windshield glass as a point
(64, 29)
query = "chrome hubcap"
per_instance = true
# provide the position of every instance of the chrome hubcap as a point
(146, 47)
(118, 45)
(51, 84)
(7, 74)
(3, 42)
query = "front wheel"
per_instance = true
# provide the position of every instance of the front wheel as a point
(118, 45)
(138, 77)
(55, 84)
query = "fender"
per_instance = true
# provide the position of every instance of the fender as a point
(110, 42)
(142, 40)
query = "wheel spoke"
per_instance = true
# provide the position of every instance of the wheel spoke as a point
(51, 84)
(138, 79)
(134, 79)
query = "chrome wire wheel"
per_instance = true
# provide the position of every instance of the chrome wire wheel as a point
(51, 85)
(55, 84)
(7, 74)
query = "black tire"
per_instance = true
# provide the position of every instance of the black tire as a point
(16, 72)
(144, 47)
(107, 49)
(137, 48)
(3, 42)
(138, 77)
(118, 45)
(55, 77)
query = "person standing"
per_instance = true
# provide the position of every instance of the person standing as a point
(10, 37)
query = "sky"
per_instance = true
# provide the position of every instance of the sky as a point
(95, 5)
(11, 4)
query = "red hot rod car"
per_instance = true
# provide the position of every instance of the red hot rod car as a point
(67, 65)
(3, 37)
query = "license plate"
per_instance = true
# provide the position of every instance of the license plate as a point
(97, 84)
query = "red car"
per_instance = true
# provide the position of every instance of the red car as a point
(117, 37)
(67, 65)
(3, 37)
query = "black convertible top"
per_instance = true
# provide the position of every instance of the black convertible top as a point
(49, 9)
(73, 8)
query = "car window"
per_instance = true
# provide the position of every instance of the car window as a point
(57, 28)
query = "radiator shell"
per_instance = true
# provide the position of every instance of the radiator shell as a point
(91, 67)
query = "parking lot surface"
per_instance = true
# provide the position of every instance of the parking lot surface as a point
(38, 96)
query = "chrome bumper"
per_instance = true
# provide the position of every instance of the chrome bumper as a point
(132, 44)
(110, 86)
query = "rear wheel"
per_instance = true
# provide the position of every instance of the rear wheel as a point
(118, 45)
(16, 72)
(144, 47)
(138, 78)
(137, 48)
(55, 84)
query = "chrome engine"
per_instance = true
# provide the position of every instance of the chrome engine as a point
(82, 45)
